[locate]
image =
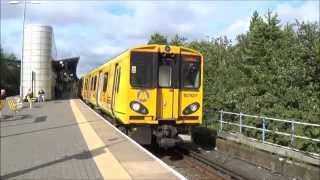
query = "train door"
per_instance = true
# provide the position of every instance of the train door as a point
(167, 80)
(115, 88)
(99, 89)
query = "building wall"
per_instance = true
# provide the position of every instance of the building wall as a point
(37, 59)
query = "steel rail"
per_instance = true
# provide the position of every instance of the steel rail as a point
(213, 164)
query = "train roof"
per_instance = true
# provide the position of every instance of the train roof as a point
(154, 47)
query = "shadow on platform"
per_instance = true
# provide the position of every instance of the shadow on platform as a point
(7, 118)
(80, 156)
(46, 129)
(172, 153)
(40, 119)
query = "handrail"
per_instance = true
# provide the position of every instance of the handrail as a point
(275, 119)
(264, 129)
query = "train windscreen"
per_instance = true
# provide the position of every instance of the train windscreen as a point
(150, 70)
(190, 72)
(142, 69)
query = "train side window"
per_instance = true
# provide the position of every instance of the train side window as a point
(92, 83)
(87, 85)
(95, 83)
(118, 82)
(105, 82)
(90, 87)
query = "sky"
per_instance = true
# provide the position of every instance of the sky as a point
(98, 30)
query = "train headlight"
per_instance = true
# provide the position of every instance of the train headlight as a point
(138, 107)
(191, 108)
(135, 106)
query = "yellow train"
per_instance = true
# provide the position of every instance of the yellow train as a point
(154, 92)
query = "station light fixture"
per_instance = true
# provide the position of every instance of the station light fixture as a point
(18, 2)
(14, 2)
(25, 2)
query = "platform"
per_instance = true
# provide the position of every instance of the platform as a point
(67, 140)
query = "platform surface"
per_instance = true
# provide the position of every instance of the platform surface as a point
(66, 140)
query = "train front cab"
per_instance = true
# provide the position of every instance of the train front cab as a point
(166, 90)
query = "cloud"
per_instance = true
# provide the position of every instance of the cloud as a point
(238, 27)
(287, 12)
(308, 11)
(98, 30)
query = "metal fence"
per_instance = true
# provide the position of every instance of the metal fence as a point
(242, 124)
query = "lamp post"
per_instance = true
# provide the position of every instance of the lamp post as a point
(22, 49)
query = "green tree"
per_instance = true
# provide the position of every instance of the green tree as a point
(272, 70)
(280, 68)
(157, 38)
(10, 72)
(178, 40)
(219, 72)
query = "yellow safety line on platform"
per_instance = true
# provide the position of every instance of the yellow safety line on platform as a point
(108, 165)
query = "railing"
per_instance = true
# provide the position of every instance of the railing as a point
(264, 128)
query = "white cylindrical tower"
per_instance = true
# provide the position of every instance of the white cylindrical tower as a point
(37, 59)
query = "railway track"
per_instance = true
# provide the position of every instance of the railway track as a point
(212, 165)
(189, 161)
(192, 164)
